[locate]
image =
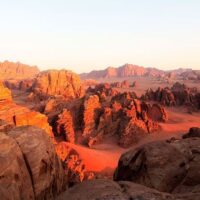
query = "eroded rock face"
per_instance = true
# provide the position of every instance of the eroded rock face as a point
(92, 108)
(5, 93)
(54, 82)
(30, 167)
(65, 126)
(123, 116)
(158, 113)
(177, 95)
(45, 169)
(168, 166)
(73, 165)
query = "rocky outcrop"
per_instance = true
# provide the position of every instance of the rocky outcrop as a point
(177, 95)
(124, 84)
(11, 70)
(5, 93)
(124, 117)
(57, 83)
(91, 113)
(103, 90)
(16, 115)
(23, 85)
(65, 126)
(73, 165)
(193, 132)
(157, 113)
(168, 166)
(29, 172)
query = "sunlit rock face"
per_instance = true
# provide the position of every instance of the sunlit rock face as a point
(58, 83)
(16, 115)
(5, 93)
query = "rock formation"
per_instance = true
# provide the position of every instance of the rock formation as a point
(16, 71)
(177, 95)
(5, 93)
(168, 166)
(91, 114)
(23, 85)
(193, 132)
(57, 83)
(26, 171)
(65, 126)
(73, 165)
(16, 115)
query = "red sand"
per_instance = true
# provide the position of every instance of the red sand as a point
(105, 157)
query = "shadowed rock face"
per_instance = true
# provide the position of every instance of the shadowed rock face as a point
(11, 70)
(61, 83)
(15, 181)
(168, 166)
(30, 168)
(5, 93)
(193, 132)
(107, 190)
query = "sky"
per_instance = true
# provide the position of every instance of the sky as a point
(85, 35)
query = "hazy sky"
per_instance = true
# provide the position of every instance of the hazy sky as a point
(93, 34)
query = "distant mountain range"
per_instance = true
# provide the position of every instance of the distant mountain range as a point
(129, 70)
(11, 70)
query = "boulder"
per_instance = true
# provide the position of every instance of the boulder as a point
(168, 166)
(15, 180)
(193, 132)
(42, 162)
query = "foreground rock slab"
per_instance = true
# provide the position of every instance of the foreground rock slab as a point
(30, 167)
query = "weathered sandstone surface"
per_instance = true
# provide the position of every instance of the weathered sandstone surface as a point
(177, 95)
(57, 83)
(30, 167)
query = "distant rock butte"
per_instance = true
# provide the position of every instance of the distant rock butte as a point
(11, 70)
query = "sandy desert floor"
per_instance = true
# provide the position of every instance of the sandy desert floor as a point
(104, 157)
